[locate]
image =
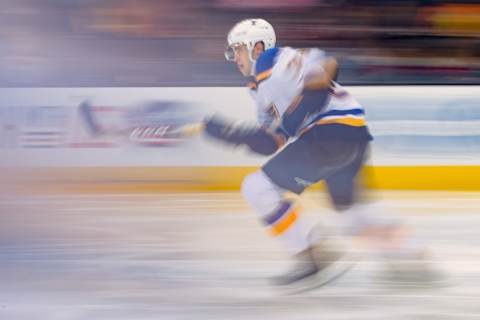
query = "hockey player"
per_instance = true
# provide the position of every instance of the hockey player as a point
(316, 131)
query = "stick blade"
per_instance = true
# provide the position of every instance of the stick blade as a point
(86, 113)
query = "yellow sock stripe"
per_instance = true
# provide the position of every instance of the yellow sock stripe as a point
(285, 223)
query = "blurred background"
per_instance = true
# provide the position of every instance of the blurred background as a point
(116, 43)
(112, 228)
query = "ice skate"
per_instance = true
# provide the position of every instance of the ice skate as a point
(317, 266)
(411, 271)
(303, 267)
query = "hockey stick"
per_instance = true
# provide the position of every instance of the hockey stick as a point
(89, 120)
(167, 132)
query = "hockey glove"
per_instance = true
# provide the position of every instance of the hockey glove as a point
(256, 138)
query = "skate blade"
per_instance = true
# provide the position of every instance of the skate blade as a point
(328, 275)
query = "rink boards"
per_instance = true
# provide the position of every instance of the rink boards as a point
(426, 138)
(177, 179)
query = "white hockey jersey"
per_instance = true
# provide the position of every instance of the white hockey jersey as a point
(278, 91)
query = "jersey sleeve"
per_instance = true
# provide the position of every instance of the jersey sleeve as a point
(266, 111)
(275, 93)
(313, 57)
(283, 100)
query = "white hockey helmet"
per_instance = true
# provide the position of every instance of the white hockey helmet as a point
(249, 32)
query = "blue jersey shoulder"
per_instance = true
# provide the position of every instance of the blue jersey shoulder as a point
(266, 60)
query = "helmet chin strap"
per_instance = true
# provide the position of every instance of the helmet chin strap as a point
(252, 70)
(254, 62)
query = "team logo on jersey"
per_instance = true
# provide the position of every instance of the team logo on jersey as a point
(302, 182)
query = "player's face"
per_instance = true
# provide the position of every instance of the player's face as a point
(242, 60)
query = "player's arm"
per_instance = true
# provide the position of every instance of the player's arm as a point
(259, 139)
(314, 93)
(321, 76)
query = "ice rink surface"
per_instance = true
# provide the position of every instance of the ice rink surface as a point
(205, 256)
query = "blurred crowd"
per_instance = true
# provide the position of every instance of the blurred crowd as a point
(181, 43)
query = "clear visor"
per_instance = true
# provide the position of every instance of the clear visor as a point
(233, 50)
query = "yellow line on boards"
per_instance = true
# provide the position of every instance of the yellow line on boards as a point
(177, 179)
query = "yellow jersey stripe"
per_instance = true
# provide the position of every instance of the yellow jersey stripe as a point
(349, 121)
(263, 75)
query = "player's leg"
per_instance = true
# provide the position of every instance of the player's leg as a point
(293, 169)
(406, 258)
(359, 215)
(278, 213)
(282, 219)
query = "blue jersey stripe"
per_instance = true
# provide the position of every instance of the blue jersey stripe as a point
(356, 112)
(318, 117)
(340, 113)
